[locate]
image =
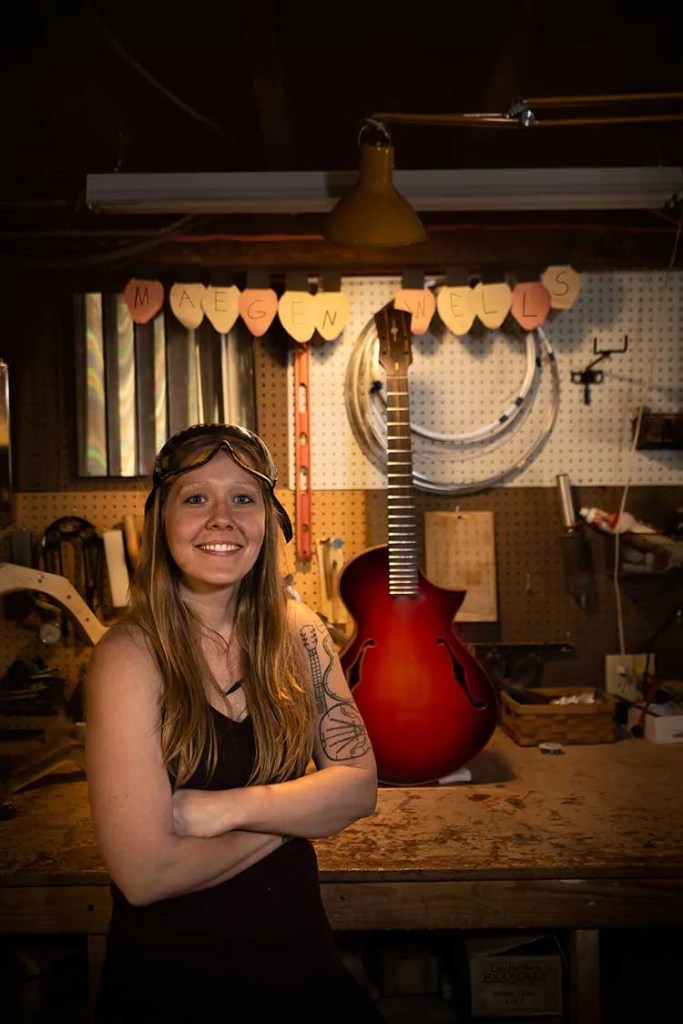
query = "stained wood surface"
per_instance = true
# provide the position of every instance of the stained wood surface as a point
(599, 811)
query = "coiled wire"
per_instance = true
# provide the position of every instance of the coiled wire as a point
(366, 411)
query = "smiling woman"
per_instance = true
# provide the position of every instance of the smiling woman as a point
(214, 521)
(206, 704)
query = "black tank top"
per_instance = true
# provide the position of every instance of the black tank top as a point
(277, 896)
(255, 946)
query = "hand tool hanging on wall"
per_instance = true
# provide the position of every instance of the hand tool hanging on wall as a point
(20, 605)
(576, 551)
(302, 427)
(588, 376)
(296, 311)
(302, 314)
(117, 567)
(72, 547)
(330, 562)
(132, 532)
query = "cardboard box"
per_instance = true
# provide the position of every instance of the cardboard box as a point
(662, 724)
(514, 975)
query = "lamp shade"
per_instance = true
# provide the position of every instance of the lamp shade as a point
(374, 213)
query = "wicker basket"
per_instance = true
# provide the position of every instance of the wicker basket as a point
(530, 724)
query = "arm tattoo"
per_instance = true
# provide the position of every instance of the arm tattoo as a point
(340, 728)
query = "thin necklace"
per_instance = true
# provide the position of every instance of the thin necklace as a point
(234, 686)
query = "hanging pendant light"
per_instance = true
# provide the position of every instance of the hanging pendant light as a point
(374, 213)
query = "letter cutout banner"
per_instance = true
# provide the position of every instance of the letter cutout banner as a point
(327, 312)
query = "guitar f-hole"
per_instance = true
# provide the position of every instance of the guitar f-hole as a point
(353, 671)
(460, 675)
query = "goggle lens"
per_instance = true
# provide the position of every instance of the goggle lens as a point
(182, 460)
(192, 449)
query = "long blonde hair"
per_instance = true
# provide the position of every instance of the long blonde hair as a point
(280, 705)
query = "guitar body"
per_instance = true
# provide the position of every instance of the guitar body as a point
(427, 704)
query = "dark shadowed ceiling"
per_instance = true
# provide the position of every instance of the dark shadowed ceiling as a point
(92, 86)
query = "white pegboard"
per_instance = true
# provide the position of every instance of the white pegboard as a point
(457, 384)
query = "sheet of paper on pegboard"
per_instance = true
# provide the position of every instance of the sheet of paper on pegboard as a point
(460, 555)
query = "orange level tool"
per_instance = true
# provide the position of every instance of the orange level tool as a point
(302, 424)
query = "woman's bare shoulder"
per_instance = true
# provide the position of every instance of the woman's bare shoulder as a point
(124, 638)
(299, 615)
(123, 672)
(124, 650)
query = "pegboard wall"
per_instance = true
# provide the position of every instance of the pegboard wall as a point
(534, 607)
(459, 383)
(589, 443)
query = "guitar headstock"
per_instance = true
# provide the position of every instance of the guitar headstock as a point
(393, 331)
(309, 637)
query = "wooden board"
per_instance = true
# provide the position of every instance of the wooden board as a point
(460, 555)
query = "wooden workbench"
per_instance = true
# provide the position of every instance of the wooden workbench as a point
(589, 839)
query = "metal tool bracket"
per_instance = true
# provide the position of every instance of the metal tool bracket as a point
(588, 376)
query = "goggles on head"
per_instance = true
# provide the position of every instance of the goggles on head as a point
(197, 445)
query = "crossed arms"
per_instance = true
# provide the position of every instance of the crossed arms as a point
(157, 844)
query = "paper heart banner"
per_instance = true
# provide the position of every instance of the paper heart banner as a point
(420, 302)
(530, 304)
(258, 307)
(144, 299)
(186, 303)
(492, 303)
(328, 311)
(298, 311)
(332, 313)
(563, 285)
(455, 306)
(221, 305)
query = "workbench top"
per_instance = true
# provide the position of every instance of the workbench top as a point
(608, 810)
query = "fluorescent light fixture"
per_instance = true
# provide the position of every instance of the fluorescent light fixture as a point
(562, 188)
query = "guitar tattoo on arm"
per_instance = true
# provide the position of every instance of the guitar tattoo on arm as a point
(341, 729)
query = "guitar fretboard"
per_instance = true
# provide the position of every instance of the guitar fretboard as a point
(403, 562)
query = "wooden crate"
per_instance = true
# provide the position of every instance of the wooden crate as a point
(530, 724)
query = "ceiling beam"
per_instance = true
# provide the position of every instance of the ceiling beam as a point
(515, 42)
(264, 55)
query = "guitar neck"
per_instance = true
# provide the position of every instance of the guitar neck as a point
(403, 561)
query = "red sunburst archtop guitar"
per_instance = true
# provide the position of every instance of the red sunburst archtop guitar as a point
(427, 703)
